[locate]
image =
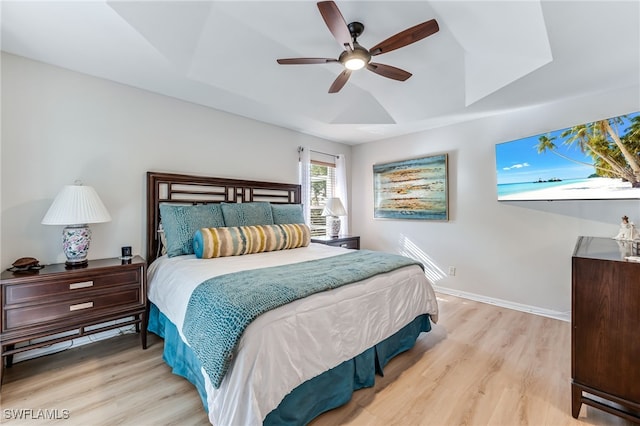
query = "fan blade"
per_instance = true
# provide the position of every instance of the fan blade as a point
(304, 61)
(336, 23)
(340, 81)
(389, 71)
(406, 37)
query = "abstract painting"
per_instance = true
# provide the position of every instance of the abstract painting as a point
(412, 189)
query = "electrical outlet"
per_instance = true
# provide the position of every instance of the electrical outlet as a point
(452, 271)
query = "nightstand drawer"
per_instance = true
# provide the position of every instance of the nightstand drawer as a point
(350, 244)
(345, 241)
(47, 289)
(49, 313)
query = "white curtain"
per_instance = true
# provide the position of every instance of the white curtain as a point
(341, 191)
(305, 181)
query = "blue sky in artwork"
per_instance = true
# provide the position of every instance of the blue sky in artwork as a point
(518, 161)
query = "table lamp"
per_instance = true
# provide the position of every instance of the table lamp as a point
(76, 206)
(332, 209)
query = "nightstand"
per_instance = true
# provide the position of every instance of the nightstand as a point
(42, 304)
(345, 241)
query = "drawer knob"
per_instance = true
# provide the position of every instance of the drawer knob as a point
(80, 306)
(83, 284)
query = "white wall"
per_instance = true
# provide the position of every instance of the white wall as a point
(518, 253)
(59, 126)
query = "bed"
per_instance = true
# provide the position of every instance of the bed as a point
(304, 353)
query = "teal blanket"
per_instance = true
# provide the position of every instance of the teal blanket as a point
(221, 308)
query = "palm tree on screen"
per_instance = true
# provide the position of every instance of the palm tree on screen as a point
(613, 156)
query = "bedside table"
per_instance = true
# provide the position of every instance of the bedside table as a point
(46, 302)
(345, 241)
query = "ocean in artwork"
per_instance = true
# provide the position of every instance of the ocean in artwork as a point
(595, 188)
(505, 189)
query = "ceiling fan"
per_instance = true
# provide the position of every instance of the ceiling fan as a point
(354, 56)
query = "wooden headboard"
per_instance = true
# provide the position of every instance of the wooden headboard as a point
(189, 189)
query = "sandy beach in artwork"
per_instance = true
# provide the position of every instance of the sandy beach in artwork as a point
(595, 188)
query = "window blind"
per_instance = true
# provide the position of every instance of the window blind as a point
(323, 183)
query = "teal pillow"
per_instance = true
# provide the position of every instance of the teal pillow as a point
(287, 213)
(181, 222)
(247, 214)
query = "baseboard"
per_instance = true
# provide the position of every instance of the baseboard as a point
(79, 341)
(562, 316)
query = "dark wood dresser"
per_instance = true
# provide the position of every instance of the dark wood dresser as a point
(605, 335)
(38, 306)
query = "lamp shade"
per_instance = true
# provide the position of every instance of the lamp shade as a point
(334, 207)
(75, 205)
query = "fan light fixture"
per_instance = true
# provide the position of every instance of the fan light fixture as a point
(355, 59)
(354, 56)
(354, 64)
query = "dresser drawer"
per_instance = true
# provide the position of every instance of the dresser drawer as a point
(49, 313)
(56, 288)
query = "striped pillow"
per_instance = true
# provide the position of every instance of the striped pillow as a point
(238, 240)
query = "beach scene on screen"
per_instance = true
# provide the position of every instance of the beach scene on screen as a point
(597, 160)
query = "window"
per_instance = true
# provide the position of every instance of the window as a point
(323, 183)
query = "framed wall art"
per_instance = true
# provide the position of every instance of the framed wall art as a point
(412, 189)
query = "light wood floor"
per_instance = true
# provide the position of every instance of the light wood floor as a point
(481, 365)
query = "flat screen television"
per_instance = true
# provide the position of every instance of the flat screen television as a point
(591, 161)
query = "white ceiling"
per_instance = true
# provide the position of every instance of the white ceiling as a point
(488, 57)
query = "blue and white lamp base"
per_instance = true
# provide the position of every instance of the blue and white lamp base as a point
(75, 245)
(333, 226)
